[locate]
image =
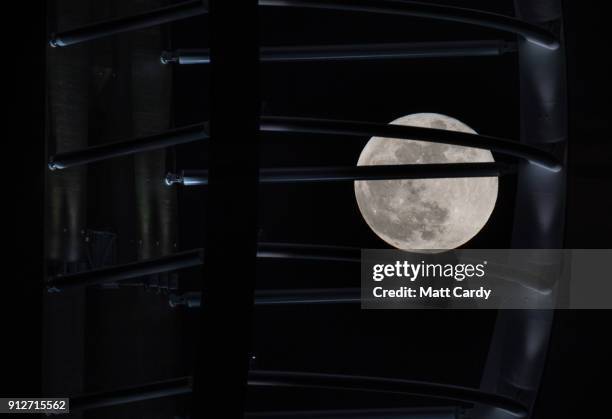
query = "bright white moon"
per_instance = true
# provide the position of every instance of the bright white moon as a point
(425, 214)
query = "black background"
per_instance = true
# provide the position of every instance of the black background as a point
(445, 346)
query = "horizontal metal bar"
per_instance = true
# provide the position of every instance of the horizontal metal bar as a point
(265, 250)
(291, 125)
(287, 379)
(178, 136)
(126, 271)
(314, 252)
(352, 173)
(385, 385)
(129, 23)
(183, 386)
(195, 257)
(404, 413)
(533, 33)
(356, 52)
(386, 51)
(282, 297)
(307, 296)
(310, 126)
(149, 391)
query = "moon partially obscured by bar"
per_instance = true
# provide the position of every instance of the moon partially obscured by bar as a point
(425, 214)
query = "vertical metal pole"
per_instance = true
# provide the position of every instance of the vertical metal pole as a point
(21, 366)
(220, 380)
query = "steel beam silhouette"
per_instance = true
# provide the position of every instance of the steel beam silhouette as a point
(356, 52)
(118, 273)
(533, 33)
(292, 125)
(282, 297)
(340, 382)
(149, 391)
(352, 173)
(289, 125)
(195, 257)
(178, 136)
(128, 23)
(291, 379)
(402, 413)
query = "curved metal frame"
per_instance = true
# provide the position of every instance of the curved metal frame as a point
(537, 223)
(533, 33)
(385, 385)
(352, 128)
(539, 212)
(293, 125)
(291, 379)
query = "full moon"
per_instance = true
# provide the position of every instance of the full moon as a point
(425, 214)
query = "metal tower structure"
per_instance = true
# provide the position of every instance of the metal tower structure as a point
(516, 357)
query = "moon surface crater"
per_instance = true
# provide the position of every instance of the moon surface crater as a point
(425, 214)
